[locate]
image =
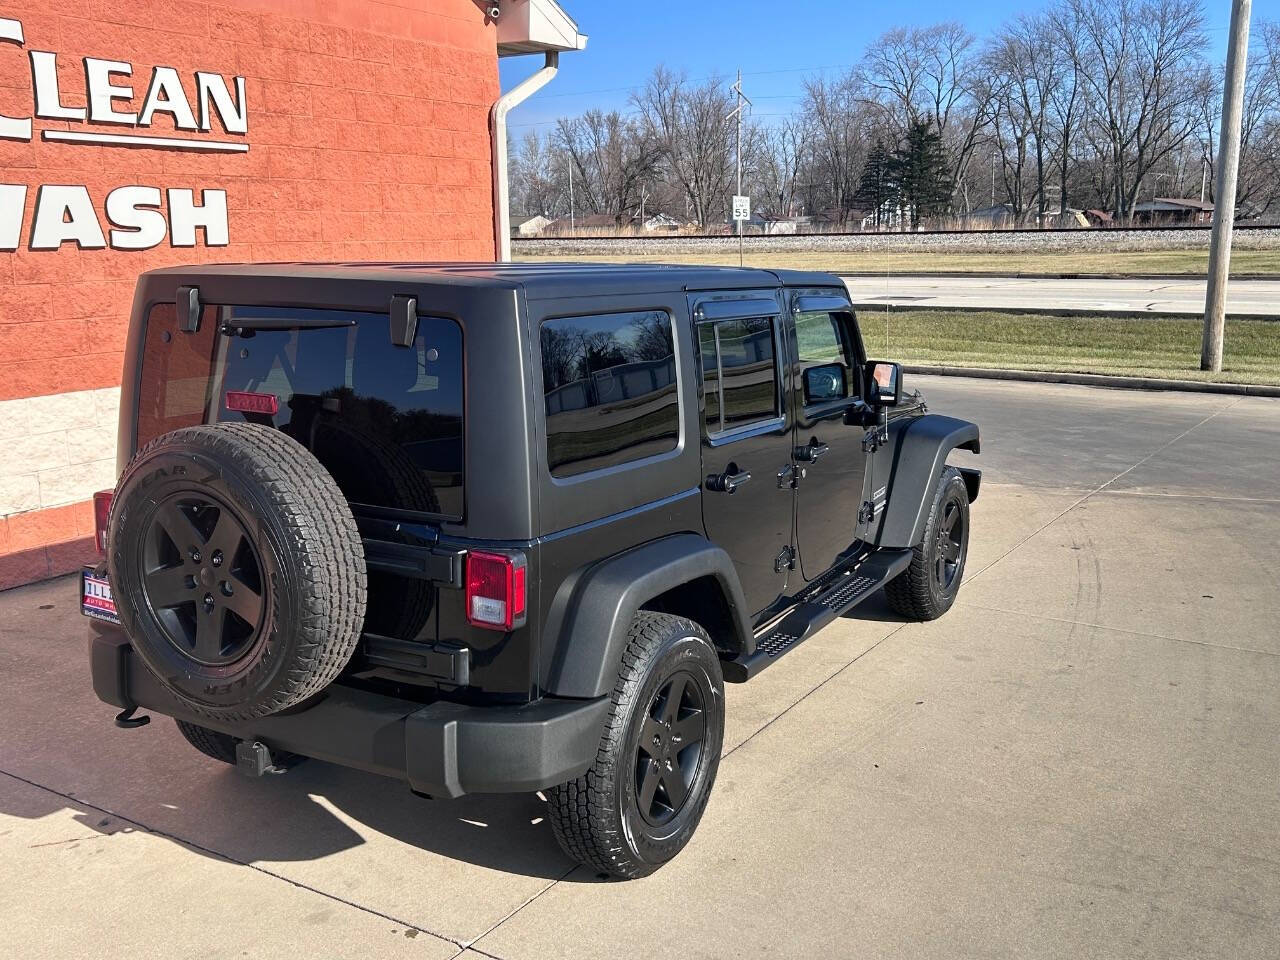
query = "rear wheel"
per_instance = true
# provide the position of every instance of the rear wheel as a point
(927, 589)
(638, 805)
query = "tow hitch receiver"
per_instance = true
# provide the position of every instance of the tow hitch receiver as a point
(253, 759)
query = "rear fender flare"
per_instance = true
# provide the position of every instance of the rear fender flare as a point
(592, 613)
(917, 450)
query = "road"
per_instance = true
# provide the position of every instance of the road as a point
(1078, 760)
(1244, 297)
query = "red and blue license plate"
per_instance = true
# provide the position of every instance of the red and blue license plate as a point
(95, 597)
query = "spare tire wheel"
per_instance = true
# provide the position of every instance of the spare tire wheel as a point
(237, 569)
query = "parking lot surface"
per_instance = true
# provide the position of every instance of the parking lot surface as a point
(1079, 760)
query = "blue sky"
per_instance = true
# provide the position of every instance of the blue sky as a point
(775, 43)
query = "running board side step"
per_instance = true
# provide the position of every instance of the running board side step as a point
(840, 592)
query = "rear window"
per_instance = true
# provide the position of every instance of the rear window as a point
(610, 390)
(386, 421)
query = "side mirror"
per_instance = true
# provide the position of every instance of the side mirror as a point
(884, 383)
(825, 382)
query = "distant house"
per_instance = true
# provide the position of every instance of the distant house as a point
(996, 217)
(1099, 218)
(659, 222)
(533, 227)
(770, 225)
(1173, 210)
(601, 222)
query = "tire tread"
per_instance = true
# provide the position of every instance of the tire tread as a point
(325, 550)
(910, 594)
(582, 811)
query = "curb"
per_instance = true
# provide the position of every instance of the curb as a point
(884, 306)
(1097, 380)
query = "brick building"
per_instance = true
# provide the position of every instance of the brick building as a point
(143, 133)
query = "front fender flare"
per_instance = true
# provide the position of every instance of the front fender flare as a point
(918, 448)
(590, 617)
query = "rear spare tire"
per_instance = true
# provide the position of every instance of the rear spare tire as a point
(237, 569)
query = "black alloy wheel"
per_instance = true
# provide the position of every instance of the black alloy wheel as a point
(929, 586)
(237, 568)
(639, 803)
(670, 749)
(202, 578)
(949, 546)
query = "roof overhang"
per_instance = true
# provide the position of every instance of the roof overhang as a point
(536, 26)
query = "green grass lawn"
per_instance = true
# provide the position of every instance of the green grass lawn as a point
(1168, 348)
(1141, 262)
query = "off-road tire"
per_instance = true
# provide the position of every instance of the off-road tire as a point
(307, 547)
(222, 746)
(916, 593)
(596, 818)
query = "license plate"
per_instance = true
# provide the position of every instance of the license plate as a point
(95, 598)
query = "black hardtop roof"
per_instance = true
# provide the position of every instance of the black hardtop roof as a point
(538, 280)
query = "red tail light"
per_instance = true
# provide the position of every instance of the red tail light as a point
(101, 512)
(495, 590)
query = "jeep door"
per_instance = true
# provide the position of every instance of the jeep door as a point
(748, 497)
(826, 354)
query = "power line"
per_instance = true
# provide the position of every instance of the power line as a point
(714, 76)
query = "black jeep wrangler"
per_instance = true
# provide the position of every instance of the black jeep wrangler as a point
(494, 528)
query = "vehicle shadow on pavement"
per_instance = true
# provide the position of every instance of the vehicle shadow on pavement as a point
(875, 608)
(311, 813)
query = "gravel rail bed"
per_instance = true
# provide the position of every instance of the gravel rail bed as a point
(1250, 238)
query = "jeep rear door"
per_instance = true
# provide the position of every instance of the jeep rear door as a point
(748, 495)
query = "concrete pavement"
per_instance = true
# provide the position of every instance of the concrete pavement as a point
(1078, 760)
(1176, 296)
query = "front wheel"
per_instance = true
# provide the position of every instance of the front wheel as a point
(927, 589)
(638, 805)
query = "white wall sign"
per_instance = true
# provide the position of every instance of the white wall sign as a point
(741, 207)
(133, 217)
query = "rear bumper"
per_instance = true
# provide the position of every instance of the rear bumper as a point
(442, 749)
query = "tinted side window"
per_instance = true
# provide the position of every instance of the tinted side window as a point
(740, 385)
(820, 339)
(610, 390)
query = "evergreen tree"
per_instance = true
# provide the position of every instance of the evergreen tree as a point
(920, 172)
(876, 186)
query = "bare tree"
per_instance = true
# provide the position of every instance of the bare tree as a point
(613, 158)
(539, 176)
(783, 151)
(837, 117)
(687, 124)
(1066, 102)
(1025, 63)
(1098, 101)
(1139, 61)
(932, 74)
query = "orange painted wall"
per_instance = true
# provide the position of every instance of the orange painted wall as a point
(368, 139)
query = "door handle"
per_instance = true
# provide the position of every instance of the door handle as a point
(811, 451)
(727, 482)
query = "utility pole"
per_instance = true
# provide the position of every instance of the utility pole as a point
(736, 113)
(1224, 211)
(571, 226)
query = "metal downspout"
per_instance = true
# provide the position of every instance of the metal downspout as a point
(498, 133)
